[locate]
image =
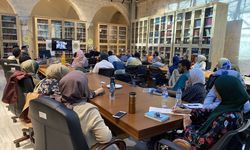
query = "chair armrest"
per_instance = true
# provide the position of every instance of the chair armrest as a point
(120, 144)
(169, 144)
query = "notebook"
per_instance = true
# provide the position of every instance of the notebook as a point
(193, 105)
(160, 118)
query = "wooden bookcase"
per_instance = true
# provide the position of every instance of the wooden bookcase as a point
(139, 36)
(9, 34)
(111, 37)
(192, 31)
(48, 28)
(202, 30)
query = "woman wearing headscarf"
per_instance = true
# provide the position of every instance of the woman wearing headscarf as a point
(200, 62)
(195, 93)
(50, 85)
(223, 68)
(31, 67)
(205, 127)
(80, 61)
(75, 94)
(176, 61)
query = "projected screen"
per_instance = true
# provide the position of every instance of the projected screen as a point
(61, 45)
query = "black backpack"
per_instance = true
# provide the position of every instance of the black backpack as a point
(210, 82)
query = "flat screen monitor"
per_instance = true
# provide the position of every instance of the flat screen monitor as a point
(61, 45)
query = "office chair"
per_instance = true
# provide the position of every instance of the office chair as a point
(223, 143)
(58, 128)
(157, 76)
(108, 72)
(137, 74)
(25, 85)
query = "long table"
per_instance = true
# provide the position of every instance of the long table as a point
(135, 125)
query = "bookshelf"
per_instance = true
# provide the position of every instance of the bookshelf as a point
(201, 30)
(139, 37)
(9, 33)
(155, 33)
(48, 28)
(111, 37)
(191, 31)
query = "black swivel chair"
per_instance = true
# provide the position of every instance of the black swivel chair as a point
(137, 74)
(108, 72)
(223, 143)
(25, 85)
(58, 128)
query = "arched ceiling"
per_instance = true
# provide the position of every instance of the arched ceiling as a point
(5, 7)
(55, 9)
(109, 14)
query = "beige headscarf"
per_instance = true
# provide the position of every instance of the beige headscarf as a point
(201, 58)
(30, 66)
(56, 71)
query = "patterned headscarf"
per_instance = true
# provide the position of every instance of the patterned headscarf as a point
(224, 63)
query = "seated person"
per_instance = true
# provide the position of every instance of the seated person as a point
(49, 86)
(200, 62)
(31, 67)
(174, 66)
(75, 95)
(144, 57)
(183, 68)
(123, 57)
(156, 57)
(134, 61)
(112, 58)
(205, 127)
(196, 92)
(19, 55)
(223, 68)
(103, 63)
(80, 61)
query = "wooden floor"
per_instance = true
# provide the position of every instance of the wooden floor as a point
(10, 131)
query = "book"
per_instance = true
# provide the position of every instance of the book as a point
(156, 116)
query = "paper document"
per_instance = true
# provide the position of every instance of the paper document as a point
(163, 111)
(193, 105)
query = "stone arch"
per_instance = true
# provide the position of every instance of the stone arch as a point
(56, 8)
(7, 7)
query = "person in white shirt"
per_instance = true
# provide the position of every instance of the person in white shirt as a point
(103, 63)
(112, 58)
(200, 62)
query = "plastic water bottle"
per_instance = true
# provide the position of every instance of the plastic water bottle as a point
(112, 89)
(178, 97)
(164, 97)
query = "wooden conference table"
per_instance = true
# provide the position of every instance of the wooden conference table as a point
(135, 125)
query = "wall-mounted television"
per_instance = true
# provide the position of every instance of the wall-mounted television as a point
(61, 45)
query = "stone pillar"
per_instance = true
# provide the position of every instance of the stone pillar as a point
(26, 26)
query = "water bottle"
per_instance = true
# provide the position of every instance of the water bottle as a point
(112, 89)
(164, 97)
(178, 97)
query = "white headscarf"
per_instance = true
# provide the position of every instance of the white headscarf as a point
(197, 76)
